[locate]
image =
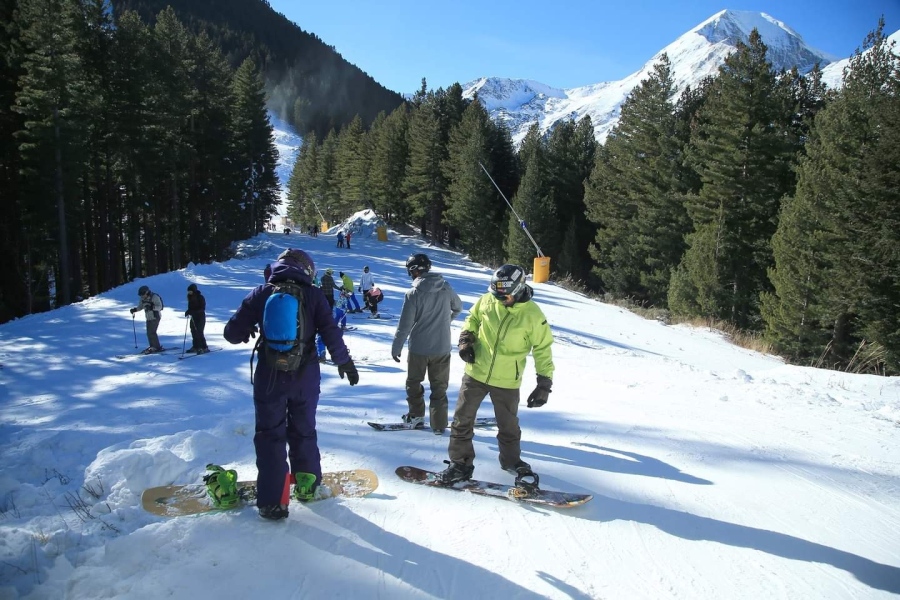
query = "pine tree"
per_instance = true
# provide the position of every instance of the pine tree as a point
(636, 197)
(303, 190)
(534, 216)
(836, 281)
(424, 185)
(49, 98)
(254, 141)
(351, 168)
(390, 154)
(745, 163)
(473, 208)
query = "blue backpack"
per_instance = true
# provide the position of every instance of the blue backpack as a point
(283, 337)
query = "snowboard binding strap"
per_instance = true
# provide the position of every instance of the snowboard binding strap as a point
(526, 485)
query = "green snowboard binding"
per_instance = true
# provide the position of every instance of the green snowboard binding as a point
(221, 486)
(305, 487)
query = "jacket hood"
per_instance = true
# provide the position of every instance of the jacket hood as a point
(429, 283)
(282, 271)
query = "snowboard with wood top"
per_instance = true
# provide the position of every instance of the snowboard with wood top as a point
(192, 499)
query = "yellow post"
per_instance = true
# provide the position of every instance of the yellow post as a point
(382, 233)
(323, 227)
(541, 269)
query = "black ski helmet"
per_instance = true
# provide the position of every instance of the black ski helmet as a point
(143, 290)
(418, 264)
(508, 280)
(192, 287)
(299, 259)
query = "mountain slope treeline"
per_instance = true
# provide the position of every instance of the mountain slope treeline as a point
(759, 197)
(309, 83)
(127, 150)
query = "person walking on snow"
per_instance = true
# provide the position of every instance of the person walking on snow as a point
(196, 312)
(428, 307)
(285, 402)
(152, 306)
(366, 283)
(347, 287)
(340, 239)
(327, 286)
(347, 238)
(503, 326)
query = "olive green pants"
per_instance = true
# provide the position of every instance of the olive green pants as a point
(506, 409)
(437, 368)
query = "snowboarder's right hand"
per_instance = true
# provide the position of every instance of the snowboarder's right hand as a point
(133, 310)
(467, 346)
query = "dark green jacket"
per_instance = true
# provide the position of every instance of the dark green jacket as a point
(504, 337)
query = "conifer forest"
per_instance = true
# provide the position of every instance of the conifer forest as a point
(135, 142)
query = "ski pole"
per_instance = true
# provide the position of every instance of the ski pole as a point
(186, 321)
(134, 327)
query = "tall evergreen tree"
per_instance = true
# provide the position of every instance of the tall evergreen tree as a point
(303, 190)
(254, 138)
(742, 155)
(534, 213)
(352, 167)
(424, 186)
(837, 268)
(473, 208)
(50, 99)
(636, 195)
(390, 154)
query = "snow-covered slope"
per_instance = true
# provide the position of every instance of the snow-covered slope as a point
(288, 142)
(717, 472)
(695, 55)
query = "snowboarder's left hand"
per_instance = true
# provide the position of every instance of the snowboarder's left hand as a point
(541, 392)
(252, 334)
(349, 369)
(396, 357)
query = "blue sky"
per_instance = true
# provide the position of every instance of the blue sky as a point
(563, 44)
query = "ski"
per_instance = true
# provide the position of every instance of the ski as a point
(192, 354)
(163, 351)
(479, 422)
(524, 494)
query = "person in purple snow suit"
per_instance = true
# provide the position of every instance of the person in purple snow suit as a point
(286, 401)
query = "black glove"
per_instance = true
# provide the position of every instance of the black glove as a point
(187, 313)
(253, 331)
(541, 392)
(467, 346)
(396, 357)
(349, 369)
(133, 310)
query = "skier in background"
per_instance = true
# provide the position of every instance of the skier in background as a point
(152, 306)
(366, 283)
(196, 312)
(347, 287)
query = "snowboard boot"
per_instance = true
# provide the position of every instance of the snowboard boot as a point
(190, 350)
(416, 422)
(274, 512)
(455, 473)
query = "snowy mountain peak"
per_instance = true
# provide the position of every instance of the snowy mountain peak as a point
(500, 93)
(693, 56)
(735, 25)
